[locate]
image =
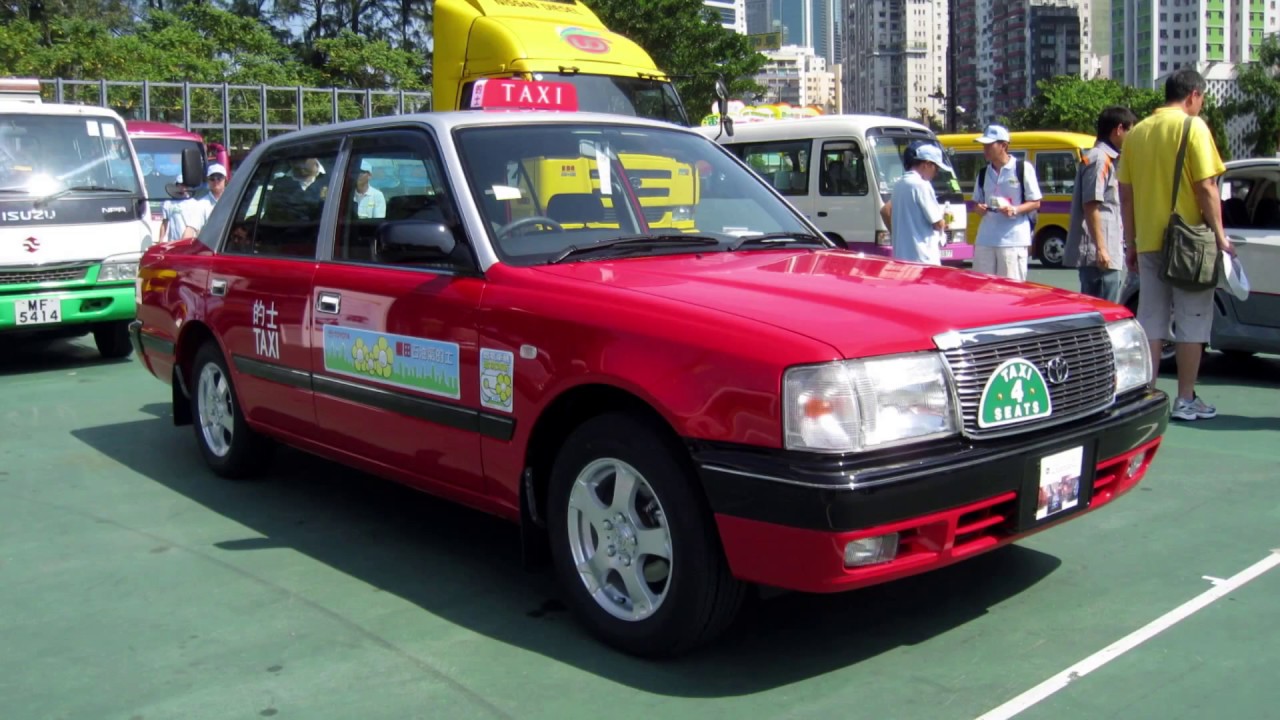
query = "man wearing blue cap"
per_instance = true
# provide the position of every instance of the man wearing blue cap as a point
(917, 216)
(1006, 196)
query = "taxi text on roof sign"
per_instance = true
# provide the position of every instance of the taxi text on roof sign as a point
(514, 94)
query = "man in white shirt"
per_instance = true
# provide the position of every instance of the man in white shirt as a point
(917, 216)
(1006, 194)
(369, 200)
(195, 213)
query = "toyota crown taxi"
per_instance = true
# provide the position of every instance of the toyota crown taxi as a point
(678, 411)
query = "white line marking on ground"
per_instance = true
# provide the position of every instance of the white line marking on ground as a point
(1132, 640)
(1213, 580)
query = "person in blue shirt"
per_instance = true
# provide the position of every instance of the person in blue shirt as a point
(916, 230)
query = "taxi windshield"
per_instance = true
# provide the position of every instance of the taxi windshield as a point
(549, 192)
(47, 154)
(887, 151)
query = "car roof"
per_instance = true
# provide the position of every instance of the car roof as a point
(152, 129)
(445, 122)
(1272, 162)
(19, 107)
(793, 128)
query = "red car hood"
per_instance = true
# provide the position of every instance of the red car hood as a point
(860, 305)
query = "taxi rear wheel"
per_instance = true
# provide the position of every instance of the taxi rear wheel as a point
(229, 446)
(633, 543)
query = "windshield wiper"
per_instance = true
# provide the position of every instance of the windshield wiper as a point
(80, 188)
(13, 191)
(635, 242)
(779, 238)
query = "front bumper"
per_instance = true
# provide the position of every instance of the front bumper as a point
(784, 518)
(76, 306)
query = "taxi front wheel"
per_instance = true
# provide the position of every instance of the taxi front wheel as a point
(229, 446)
(633, 543)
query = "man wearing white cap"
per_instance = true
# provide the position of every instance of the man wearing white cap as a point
(1006, 194)
(369, 200)
(917, 216)
(195, 213)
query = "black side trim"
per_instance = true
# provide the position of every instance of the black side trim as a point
(494, 426)
(497, 427)
(151, 342)
(846, 493)
(273, 372)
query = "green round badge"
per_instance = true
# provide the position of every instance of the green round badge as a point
(1016, 392)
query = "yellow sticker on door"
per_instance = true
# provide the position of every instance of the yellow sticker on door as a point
(497, 371)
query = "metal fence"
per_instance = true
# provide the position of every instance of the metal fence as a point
(238, 116)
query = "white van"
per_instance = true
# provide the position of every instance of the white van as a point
(839, 171)
(72, 221)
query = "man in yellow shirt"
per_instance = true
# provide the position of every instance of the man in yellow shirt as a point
(1147, 164)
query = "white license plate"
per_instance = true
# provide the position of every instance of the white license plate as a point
(946, 252)
(37, 311)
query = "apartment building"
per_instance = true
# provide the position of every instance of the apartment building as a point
(1004, 47)
(798, 76)
(733, 14)
(895, 60)
(1152, 38)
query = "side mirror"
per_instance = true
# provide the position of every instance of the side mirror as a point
(413, 241)
(727, 122)
(192, 167)
(722, 97)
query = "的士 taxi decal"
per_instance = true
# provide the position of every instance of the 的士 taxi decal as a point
(496, 373)
(429, 366)
(1016, 392)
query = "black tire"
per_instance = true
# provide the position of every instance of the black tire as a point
(112, 339)
(699, 596)
(232, 449)
(1051, 248)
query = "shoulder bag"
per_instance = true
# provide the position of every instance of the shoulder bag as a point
(1192, 260)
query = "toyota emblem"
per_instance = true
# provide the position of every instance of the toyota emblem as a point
(1057, 370)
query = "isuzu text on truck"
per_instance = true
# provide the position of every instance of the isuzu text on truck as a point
(72, 222)
(678, 416)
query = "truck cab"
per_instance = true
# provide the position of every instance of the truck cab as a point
(72, 225)
(552, 40)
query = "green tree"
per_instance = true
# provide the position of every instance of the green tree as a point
(685, 39)
(1259, 81)
(1072, 104)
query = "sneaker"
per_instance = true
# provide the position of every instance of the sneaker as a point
(1194, 409)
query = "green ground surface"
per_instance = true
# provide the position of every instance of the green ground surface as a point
(135, 584)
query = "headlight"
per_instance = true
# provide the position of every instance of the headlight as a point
(119, 267)
(866, 404)
(681, 213)
(1132, 353)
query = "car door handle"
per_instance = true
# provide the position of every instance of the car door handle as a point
(329, 303)
(218, 286)
(822, 213)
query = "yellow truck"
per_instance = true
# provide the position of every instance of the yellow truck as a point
(563, 41)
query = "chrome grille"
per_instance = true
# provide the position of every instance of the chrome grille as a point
(1089, 387)
(51, 275)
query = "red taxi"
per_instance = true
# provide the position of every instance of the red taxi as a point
(678, 414)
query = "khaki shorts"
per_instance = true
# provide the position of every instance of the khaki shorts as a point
(1160, 304)
(1010, 262)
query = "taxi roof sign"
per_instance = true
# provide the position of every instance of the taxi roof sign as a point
(517, 94)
